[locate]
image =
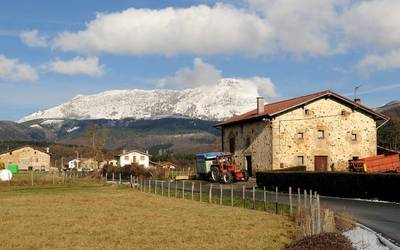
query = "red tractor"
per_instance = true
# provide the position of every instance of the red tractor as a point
(224, 169)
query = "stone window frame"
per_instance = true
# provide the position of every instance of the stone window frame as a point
(354, 137)
(320, 132)
(300, 160)
(300, 135)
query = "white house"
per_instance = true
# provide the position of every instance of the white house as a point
(134, 156)
(73, 164)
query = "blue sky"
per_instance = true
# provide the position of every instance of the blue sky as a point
(300, 46)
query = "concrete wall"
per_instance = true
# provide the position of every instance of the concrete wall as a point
(337, 120)
(251, 139)
(27, 157)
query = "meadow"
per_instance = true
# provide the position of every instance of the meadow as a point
(98, 216)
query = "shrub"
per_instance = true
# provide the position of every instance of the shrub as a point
(345, 185)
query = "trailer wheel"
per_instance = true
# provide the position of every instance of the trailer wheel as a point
(227, 178)
(215, 174)
(245, 176)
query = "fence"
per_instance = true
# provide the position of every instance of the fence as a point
(303, 206)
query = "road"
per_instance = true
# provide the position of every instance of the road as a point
(381, 217)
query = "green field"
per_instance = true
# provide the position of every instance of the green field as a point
(94, 216)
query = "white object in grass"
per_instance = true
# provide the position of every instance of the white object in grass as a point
(5, 175)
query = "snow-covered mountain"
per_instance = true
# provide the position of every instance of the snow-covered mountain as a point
(229, 97)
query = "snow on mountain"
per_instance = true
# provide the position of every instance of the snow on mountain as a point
(229, 97)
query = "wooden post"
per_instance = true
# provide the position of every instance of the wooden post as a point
(176, 189)
(265, 200)
(63, 177)
(305, 199)
(220, 194)
(290, 202)
(276, 200)
(310, 196)
(162, 188)
(183, 189)
(254, 197)
(201, 193)
(53, 178)
(155, 186)
(210, 194)
(169, 189)
(131, 181)
(231, 195)
(113, 177)
(149, 189)
(106, 177)
(244, 195)
(312, 214)
(192, 191)
(120, 178)
(298, 199)
(318, 215)
(32, 177)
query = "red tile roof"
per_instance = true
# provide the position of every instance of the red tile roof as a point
(273, 109)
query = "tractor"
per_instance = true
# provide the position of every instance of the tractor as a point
(224, 169)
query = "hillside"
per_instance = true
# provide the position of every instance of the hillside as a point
(389, 134)
(229, 97)
(20, 132)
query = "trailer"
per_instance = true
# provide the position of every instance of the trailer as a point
(376, 164)
(204, 162)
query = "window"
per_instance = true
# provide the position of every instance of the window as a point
(300, 136)
(126, 157)
(354, 137)
(142, 157)
(306, 111)
(300, 160)
(321, 134)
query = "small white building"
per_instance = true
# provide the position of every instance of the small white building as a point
(134, 156)
(73, 164)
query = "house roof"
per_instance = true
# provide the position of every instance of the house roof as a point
(134, 151)
(277, 108)
(21, 147)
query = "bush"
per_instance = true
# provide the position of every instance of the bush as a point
(127, 171)
(345, 185)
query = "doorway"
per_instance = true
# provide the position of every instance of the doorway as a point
(321, 163)
(249, 164)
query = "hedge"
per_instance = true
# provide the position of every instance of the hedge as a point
(346, 185)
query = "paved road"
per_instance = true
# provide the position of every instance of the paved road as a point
(382, 217)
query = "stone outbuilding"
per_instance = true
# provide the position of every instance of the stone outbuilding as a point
(27, 158)
(320, 131)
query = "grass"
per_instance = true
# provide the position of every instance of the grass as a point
(95, 216)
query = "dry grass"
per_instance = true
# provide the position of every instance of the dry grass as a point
(103, 217)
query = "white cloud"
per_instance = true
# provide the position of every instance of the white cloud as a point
(204, 74)
(372, 63)
(77, 66)
(33, 39)
(12, 69)
(194, 30)
(201, 74)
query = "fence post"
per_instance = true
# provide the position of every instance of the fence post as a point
(312, 205)
(276, 200)
(149, 189)
(183, 190)
(305, 199)
(113, 177)
(162, 188)
(120, 178)
(155, 186)
(290, 202)
(176, 189)
(169, 189)
(210, 194)
(254, 197)
(32, 177)
(244, 195)
(318, 215)
(200, 193)
(53, 178)
(106, 177)
(231, 195)
(220, 194)
(192, 191)
(298, 200)
(63, 177)
(265, 200)
(131, 181)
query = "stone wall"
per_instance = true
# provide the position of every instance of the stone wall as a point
(27, 157)
(251, 139)
(338, 121)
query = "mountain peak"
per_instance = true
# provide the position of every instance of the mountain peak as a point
(229, 97)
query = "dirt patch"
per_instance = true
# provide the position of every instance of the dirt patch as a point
(322, 241)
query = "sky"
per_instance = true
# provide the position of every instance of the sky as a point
(51, 51)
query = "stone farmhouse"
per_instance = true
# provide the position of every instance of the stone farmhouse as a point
(320, 131)
(134, 156)
(27, 158)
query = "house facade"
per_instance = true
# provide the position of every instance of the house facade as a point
(27, 158)
(134, 156)
(321, 131)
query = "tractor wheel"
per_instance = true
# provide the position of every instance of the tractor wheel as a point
(227, 178)
(245, 176)
(215, 174)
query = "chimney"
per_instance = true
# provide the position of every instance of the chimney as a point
(124, 151)
(357, 101)
(260, 105)
(48, 150)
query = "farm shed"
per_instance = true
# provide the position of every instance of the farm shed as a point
(27, 158)
(320, 131)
